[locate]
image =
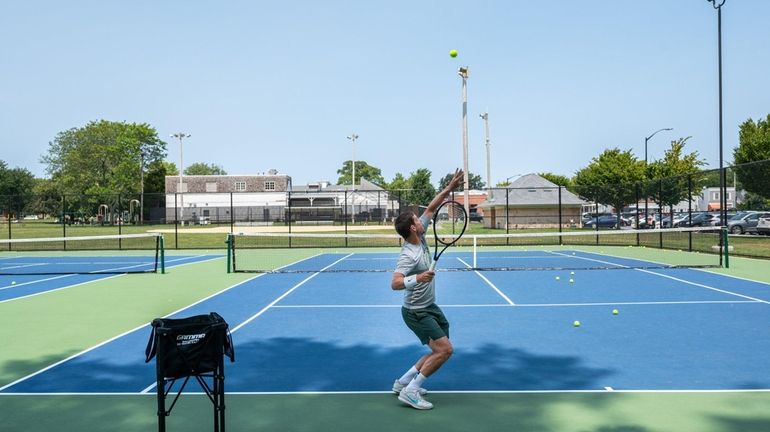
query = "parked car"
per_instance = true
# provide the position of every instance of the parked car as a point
(697, 220)
(746, 223)
(592, 216)
(763, 225)
(666, 222)
(476, 217)
(606, 221)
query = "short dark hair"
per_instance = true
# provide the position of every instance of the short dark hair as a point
(404, 223)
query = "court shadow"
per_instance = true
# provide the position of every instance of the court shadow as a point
(296, 364)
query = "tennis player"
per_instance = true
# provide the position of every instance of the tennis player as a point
(420, 312)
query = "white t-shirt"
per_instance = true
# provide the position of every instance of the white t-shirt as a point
(415, 259)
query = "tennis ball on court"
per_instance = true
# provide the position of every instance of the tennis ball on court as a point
(615, 312)
(453, 53)
(573, 253)
(13, 282)
(572, 273)
(571, 280)
(557, 278)
(576, 323)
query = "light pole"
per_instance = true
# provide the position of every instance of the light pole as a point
(485, 117)
(717, 4)
(353, 137)
(646, 203)
(463, 72)
(181, 136)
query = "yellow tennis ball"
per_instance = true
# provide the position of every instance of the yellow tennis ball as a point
(557, 278)
(615, 312)
(576, 323)
(453, 53)
(13, 282)
(572, 273)
(572, 280)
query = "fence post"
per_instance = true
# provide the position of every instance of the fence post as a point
(560, 216)
(176, 221)
(232, 215)
(63, 217)
(660, 207)
(346, 218)
(689, 207)
(507, 216)
(120, 222)
(636, 214)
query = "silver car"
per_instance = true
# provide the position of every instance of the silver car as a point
(745, 223)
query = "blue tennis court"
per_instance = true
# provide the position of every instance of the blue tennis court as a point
(677, 329)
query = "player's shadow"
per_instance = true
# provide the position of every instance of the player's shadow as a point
(296, 364)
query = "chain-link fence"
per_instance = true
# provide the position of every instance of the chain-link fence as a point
(202, 220)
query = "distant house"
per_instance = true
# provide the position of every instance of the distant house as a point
(209, 198)
(322, 200)
(531, 202)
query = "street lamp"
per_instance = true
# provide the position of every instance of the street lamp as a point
(515, 175)
(353, 137)
(646, 203)
(141, 186)
(717, 4)
(180, 136)
(463, 72)
(485, 117)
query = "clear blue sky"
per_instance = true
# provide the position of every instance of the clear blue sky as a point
(263, 85)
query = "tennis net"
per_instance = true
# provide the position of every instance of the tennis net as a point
(611, 249)
(110, 254)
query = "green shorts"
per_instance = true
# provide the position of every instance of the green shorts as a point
(427, 323)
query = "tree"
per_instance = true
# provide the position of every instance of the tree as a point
(610, 179)
(363, 170)
(101, 160)
(754, 146)
(398, 183)
(422, 190)
(474, 181)
(15, 188)
(47, 199)
(170, 168)
(202, 168)
(676, 177)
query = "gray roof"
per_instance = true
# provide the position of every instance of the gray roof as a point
(363, 186)
(531, 190)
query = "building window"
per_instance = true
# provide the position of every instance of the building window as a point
(211, 187)
(240, 186)
(714, 196)
(729, 198)
(270, 185)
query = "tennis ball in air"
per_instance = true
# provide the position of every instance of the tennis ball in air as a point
(576, 323)
(615, 312)
(453, 53)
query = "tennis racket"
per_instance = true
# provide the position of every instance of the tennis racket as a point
(450, 212)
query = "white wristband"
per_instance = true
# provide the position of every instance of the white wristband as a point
(410, 281)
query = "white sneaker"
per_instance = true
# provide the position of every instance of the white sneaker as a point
(414, 399)
(397, 387)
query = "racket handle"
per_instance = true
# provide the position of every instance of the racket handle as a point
(432, 266)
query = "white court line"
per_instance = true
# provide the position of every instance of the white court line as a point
(253, 317)
(510, 302)
(647, 303)
(666, 276)
(389, 392)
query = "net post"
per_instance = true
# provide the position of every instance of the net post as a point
(176, 221)
(162, 250)
(228, 242)
(474, 253)
(560, 216)
(726, 246)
